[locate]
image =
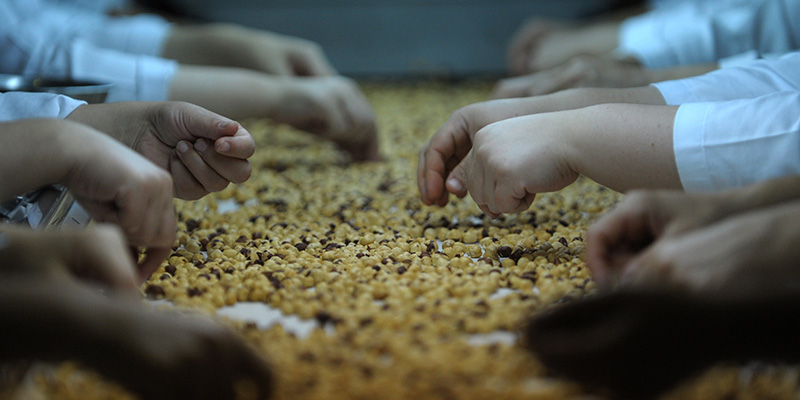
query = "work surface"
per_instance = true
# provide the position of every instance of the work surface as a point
(380, 296)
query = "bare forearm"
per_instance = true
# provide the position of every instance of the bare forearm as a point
(687, 71)
(761, 195)
(32, 156)
(202, 44)
(578, 98)
(39, 320)
(624, 146)
(234, 93)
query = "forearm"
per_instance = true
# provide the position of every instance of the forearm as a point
(206, 44)
(623, 146)
(760, 195)
(33, 156)
(234, 93)
(39, 319)
(121, 120)
(681, 72)
(585, 97)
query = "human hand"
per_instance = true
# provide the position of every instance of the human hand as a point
(98, 253)
(119, 186)
(453, 141)
(237, 46)
(526, 42)
(580, 71)
(172, 356)
(687, 241)
(541, 45)
(202, 151)
(641, 219)
(634, 344)
(334, 108)
(513, 160)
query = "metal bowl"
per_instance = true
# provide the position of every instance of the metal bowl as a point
(90, 92)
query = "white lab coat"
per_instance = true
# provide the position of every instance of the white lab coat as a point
(702, 31)
(39, 38)
(737, 126)
(21, 105)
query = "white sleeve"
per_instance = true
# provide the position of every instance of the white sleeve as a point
(735, 143)
(700, 32)
(748, 81)
(31, 51)
(140, 34)
(21, 105)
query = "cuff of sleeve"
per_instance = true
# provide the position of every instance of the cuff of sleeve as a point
(21, 105)
(135, 77)
(689, 146)
(144, 34)
(676, 92)
(739, 59)
(640, 38)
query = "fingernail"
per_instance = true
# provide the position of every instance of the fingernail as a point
(182, 147)
(200, 145)
(225, 125)
(455, 184)
(223, 146)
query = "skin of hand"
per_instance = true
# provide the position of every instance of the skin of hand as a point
(229, 45)
(157, 355)
(591, 71)
(98, 253)
(645, 218)
(527, 40)
(749, 252)
(637, 344)
(332, 107)
(495, 164)
(453, 141)
(201, 150)
(541, 45)
(112, 182)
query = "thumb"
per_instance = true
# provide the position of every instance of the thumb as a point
(457, 179)
(201, 123)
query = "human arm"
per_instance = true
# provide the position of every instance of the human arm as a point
(241, 47)
(751, 80)
(98, 254)
(690, 33)
(453, 141)
(638, 343)
(592, 71)
(112, 182)
(332, 107)
(201, 150)
(542, 44)
(157, 355)
(622, 146)
(644, 219)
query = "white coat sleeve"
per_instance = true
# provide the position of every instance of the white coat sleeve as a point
(139, 34)
(21, 105)
(734, 143)
(700, 32)
(30, 50)
(747, 81)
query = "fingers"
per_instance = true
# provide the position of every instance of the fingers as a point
(619, 236)
(450, 144)
(241, 145)
(210, 169)
(523, 44)
(153, 259)
(310, 61)
(229, 138)
(100, 255)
